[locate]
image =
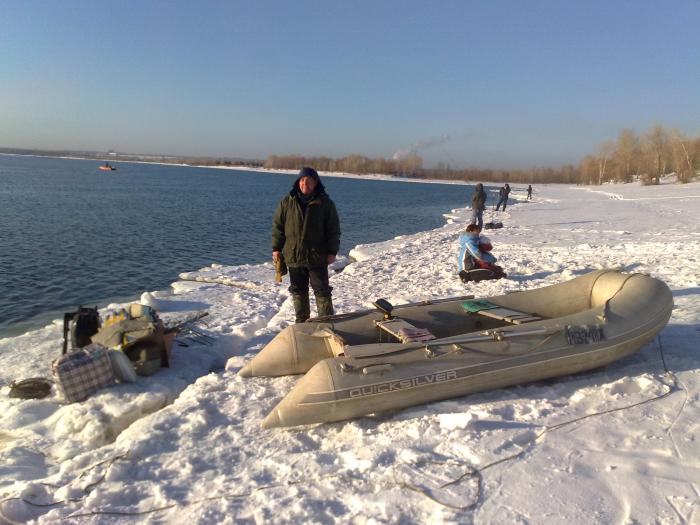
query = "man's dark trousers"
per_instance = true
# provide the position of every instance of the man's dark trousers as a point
(300, 277)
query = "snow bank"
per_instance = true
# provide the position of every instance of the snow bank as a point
(617, 445)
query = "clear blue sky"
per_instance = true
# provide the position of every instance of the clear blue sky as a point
(494, 83)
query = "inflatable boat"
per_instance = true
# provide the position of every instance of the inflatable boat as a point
(391, 358)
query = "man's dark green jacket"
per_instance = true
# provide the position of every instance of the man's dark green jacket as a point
(306, 239)
(479, 198)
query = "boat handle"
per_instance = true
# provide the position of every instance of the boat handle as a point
(377, 369)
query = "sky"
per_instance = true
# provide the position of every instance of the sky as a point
(466, 83)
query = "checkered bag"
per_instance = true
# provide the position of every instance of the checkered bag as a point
(82, 372)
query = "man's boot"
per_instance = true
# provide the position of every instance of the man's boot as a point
(301, 307)
(324, 305)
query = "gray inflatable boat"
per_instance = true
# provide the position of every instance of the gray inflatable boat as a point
(396, 357)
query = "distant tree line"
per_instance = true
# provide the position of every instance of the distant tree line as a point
(213, 161)
(409, 166)
(412, 166)
(631, 156)
(645, 157)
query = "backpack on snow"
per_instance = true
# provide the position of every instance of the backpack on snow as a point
(82, 325)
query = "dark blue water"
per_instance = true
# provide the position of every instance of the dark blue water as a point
(71, 234)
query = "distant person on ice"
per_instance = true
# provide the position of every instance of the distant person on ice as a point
(306, 233)
(529, 192)
(503, 197)
(478, 205)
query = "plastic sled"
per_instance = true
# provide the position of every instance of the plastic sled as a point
(480, 274)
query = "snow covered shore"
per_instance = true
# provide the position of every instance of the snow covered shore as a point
(185, 445)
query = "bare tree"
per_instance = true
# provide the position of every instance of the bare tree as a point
(590, 170)
(605, 152)
(627, 155)
(655, 151)
(682, 162)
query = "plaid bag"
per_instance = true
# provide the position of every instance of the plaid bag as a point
(82, 372)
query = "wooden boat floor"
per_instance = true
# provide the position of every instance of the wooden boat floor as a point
(510, 316)
(495, 311)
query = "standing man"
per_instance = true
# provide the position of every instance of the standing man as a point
(306, 233)
(529, 191)
(503, 197)
(478, 205)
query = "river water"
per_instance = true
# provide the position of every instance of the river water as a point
(71, 234)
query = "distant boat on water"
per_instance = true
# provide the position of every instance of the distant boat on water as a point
(107, 167)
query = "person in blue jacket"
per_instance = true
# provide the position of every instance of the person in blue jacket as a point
(476, 262)
(470, 253)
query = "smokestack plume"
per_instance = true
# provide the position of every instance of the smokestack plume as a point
(420, 146)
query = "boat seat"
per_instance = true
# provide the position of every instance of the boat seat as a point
(488, 309)
(404, 331)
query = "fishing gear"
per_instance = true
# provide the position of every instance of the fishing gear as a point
(493, 225)
(189, 335)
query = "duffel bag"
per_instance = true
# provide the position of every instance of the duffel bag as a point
(82, 372)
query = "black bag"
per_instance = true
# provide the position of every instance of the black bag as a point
(82, 325)
(482, 274)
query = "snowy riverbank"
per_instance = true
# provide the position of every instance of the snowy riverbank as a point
(185, 445)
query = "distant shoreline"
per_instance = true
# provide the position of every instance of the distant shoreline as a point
(341, 175)
(344, 175)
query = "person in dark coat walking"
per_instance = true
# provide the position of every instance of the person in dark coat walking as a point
(306, 234)
(503, 197)
(529, 191)
(478, 206)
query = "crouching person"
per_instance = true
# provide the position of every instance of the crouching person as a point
(306, 233)
(475, 254)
